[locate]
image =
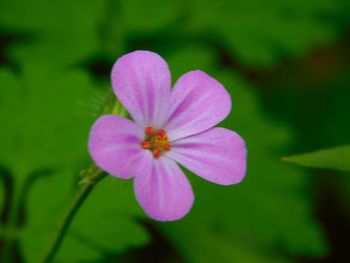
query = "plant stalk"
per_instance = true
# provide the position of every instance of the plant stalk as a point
(95, 175)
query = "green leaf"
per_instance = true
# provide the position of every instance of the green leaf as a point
(2, 202)
(46, 202)
(48, 112)
(269, 210)
(68, 32)
(104, 224)
(45, 118)
(337, 158)
(44, 127)
(63, 31)
(145, 16)
(108, 219)
(261, 33)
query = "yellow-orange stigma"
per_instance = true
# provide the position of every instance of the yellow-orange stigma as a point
(156, 141)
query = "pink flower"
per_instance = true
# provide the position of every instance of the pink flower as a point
(170, 127)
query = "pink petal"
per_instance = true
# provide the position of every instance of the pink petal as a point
(114, 145)
(164, 191)
(141, 81)
(198, 102)
(218, 155)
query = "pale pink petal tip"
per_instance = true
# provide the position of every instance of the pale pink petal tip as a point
(141, 80)
(198, 102)
(218, 155)
(163, 191)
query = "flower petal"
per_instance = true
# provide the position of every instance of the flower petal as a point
(198, 102)
(141, 81)
(218, 155)
(114, 145)
(163, 190)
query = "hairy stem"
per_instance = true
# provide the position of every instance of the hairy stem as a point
(12, 222)
(89, 179)
(94, 175)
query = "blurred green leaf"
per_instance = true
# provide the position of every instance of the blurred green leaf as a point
(145, 16)
(255, 33)
(46, 202)
(260, 33)
(117, 229)
(47, 113)
(268, 211)
(337, 158)
(104, 224)
(42, 108)
(63, 31)
(2, 202)
(69, 32)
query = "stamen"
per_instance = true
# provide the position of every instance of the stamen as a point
(155, 141)
(161, 133)
(167, 147)
(156, 153)
(146, 145)
(149, 131)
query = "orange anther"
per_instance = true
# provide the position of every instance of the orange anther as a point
(161, 133)
(156, 153)
(167, 147)
(156, 141)
(145, 145)
(149, 131)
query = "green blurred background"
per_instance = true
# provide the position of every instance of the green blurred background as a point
(286, 65)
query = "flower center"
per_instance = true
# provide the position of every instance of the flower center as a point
(156, 141)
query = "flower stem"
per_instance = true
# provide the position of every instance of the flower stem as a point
(10, 234)
(89, 178)
(94, 175)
